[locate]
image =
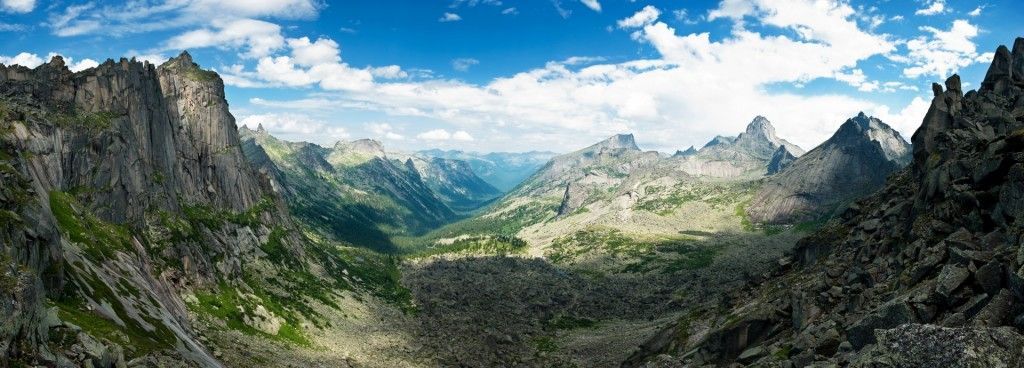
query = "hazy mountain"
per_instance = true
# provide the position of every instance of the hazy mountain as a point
(503, 170)
(452, 180)
(747, 155)
(854, 162)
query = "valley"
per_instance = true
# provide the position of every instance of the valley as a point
(143, 227)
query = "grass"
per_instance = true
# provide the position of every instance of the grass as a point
(97, 238)
(90, 121)
(229, 306)
(139, 341)
(490, 245)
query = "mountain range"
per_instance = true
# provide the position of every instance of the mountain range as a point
(142, 227)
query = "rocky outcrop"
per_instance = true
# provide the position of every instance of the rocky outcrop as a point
(939, 245)
(854, 162)
(124, 187)
(749, 154)
(780, 159)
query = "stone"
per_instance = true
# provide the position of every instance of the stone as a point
(990, 276)
(915, 345)
(862, 332)
(950, 278)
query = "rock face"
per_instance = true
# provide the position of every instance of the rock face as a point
(122, 188)
(748, 155)
(939, 245)
(854, 162)
(780, 159)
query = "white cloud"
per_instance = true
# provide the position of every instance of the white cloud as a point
(645, 16)
(296, 127)
(389, 72)
(444, 135)
(160, 15)
(152, 58)
(17, 6)
(977, 11)
(943, 52)
(674, 100)
(933, 8)
(256, 37)
(81, 64)
(449, 17)
(288, 9)
(384, 130)
(24, 59)
(592, 4)
(510, 11)
(462, 135)
(907, 120)
(683, 16)
(306, 53)
(464, 64)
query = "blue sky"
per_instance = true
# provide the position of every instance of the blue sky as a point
(490, 75)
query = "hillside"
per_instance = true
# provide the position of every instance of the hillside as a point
(854, 162)
(925, 267)
(136, 232)
(360, 193)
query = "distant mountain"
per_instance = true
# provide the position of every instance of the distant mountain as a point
(503, 170)
(452, 180)
(854, 162)
(353, 189)
(688, 152)
(747, 155)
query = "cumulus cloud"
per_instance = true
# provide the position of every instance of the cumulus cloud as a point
(941, 52)
(464, 64)
(24, 59)
(934, 7)
(977, 11)
(296, 127)
(17, 6)
(449, 17)
(645, 16)
(444, 135)
(675, 99)
(385, 131)
(257, 38)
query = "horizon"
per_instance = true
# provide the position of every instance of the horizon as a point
(510, 76)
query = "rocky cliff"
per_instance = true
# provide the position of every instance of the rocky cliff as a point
(854, 162)
(124, 195)
(917, 274)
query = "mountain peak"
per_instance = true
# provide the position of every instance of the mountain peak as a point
(260, 129)
(761, 127)
(863, 127)
(618, 141)
(688, 152)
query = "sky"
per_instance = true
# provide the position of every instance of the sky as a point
(552, 75)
